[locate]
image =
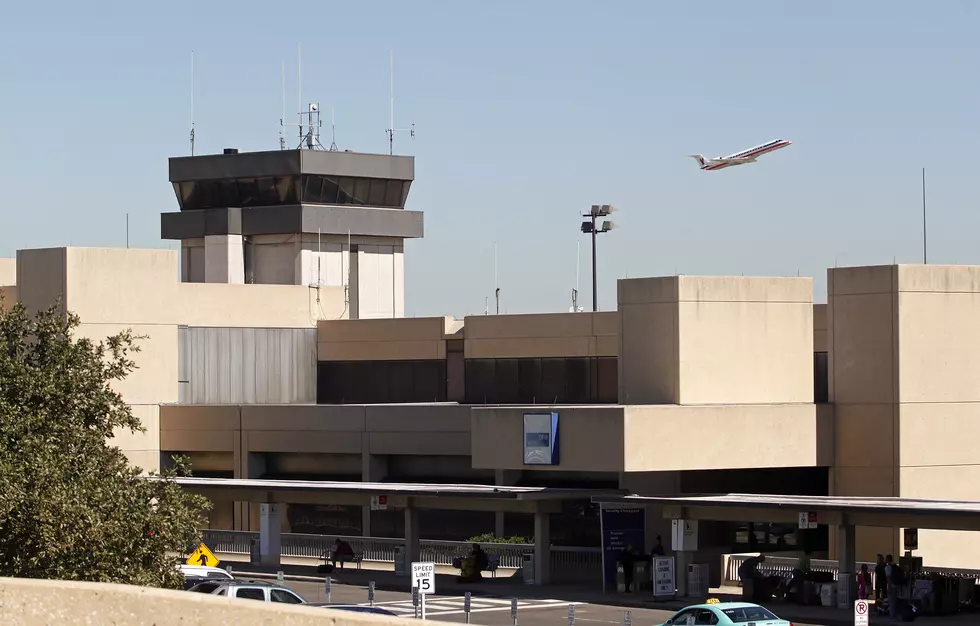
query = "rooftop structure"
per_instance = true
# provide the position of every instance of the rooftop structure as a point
(297, 217)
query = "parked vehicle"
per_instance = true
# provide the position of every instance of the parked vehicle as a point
(194, 574)
(250, 590)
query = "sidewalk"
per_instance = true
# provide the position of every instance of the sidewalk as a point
(508, 586)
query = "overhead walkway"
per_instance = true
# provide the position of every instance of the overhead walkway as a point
(539, 501)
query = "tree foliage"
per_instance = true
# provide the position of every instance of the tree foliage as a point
(71, 506)
(492, 538)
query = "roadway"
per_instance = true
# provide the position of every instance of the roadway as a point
(486, 610)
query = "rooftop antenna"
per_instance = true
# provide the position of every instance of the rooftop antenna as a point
(924, 257)
(578, 264)
(391, 106)
(311, 139)
(192, 103)
(309, 133)
(496, 283)
(333, 129)
(299, 87)
(282, 114)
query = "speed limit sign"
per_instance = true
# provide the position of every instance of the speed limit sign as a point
(424, 577)
(860, 613)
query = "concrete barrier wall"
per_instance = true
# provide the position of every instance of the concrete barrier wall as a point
(35, 602)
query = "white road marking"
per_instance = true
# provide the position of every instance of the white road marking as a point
(454, 606)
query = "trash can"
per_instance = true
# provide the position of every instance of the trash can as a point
(527, 568)
(642, 579)
(401, 567)
(697, 580)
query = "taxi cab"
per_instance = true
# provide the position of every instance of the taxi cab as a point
(718, 613)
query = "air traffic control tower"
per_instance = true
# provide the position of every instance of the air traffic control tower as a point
(297, 217)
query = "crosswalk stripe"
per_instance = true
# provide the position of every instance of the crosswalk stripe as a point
(454, 605)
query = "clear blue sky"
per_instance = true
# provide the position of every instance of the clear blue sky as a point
(527, 112)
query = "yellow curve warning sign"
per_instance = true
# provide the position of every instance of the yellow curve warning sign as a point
(203, 556)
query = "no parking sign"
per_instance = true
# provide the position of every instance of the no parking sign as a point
(860, 613)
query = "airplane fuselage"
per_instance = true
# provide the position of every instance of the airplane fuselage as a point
(743, 157)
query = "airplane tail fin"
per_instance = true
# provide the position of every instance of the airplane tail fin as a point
(699, 158)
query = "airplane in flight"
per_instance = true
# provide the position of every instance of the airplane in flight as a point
(740, 158)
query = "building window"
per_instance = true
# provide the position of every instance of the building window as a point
(275, 191)
(380, 382)
(563, 380)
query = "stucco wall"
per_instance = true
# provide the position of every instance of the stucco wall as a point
(715, 340)
(42, 602)
(904, 361)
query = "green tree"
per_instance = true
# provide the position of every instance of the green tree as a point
(71, 506)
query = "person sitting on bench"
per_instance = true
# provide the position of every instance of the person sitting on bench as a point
(473, 564)
(343, 553)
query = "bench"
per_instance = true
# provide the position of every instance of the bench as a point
(493, 563)
(326, 555)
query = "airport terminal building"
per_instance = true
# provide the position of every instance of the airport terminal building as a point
(277, 347)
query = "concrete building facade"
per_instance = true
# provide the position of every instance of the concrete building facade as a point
(253, 369)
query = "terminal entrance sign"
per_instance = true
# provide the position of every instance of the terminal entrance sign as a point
(860, 613)
(203, 556)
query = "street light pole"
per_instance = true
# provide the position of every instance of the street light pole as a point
(597, 210)
(595, 282)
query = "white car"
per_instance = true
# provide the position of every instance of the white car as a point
(250, 590)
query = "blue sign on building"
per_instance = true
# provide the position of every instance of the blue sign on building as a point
(620, 527)
(541, 439)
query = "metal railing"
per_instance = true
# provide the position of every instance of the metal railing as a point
(382, 549)
(775, 565)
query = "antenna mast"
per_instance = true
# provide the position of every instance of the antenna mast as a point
(578, 265)
(333, 129)
(299, 88)
(282, 114)
(192, 103)
(309, 133)
(924, 257)
(496, 283)
(391, 106)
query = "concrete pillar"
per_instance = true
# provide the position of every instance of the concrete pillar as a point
(248, 465)
(542, 548)
(374, 469)
(413, 547)
(269, 534)
(682, 558)
(505, 478)
(847, 578)
(224, 259)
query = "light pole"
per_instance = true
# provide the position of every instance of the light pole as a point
(597, 210)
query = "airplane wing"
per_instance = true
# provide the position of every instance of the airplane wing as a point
(740, 161)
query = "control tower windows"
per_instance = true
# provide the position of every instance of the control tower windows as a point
(286, 190)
